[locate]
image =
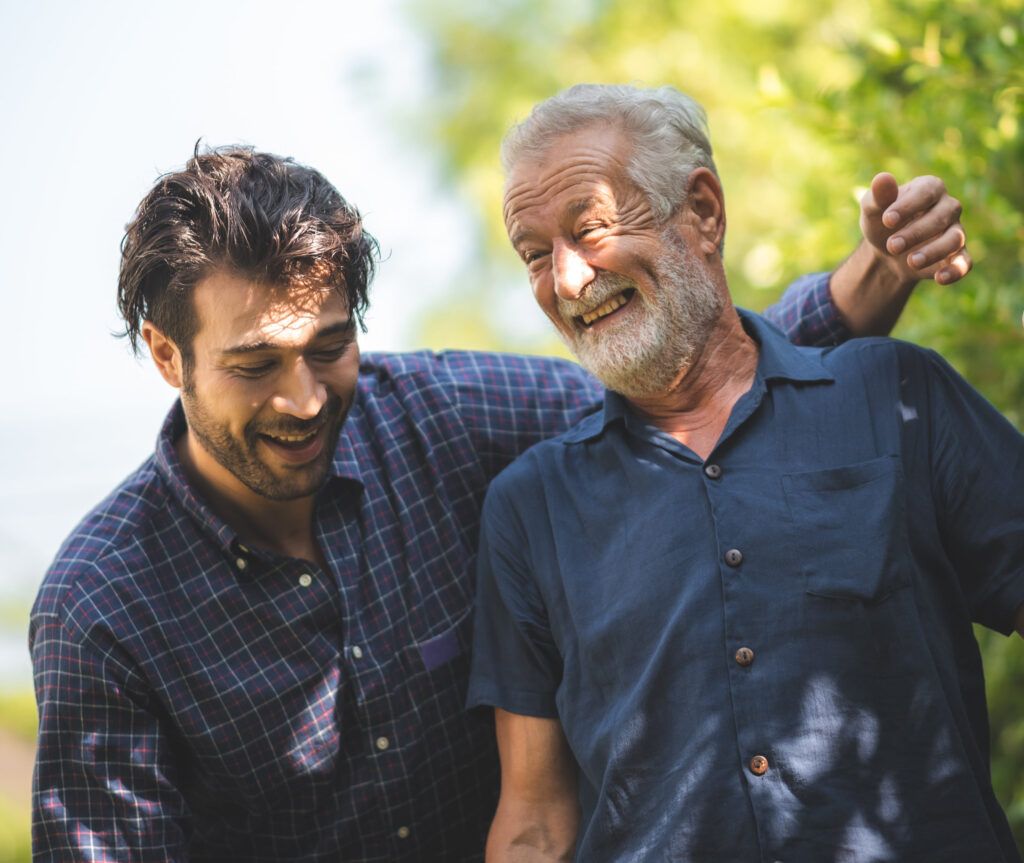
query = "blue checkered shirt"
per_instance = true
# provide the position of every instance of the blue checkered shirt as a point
(201, 700)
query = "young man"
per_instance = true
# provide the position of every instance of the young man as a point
(256, 647)
(728, 617)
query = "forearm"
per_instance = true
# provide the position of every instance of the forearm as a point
(538, 810)
(869, 293)
(543, 835)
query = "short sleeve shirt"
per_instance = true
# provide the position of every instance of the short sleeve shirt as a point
(767, 655)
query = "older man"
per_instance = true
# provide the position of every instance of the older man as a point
(728, 617)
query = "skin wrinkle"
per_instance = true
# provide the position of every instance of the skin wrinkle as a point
(592, 164)
(653, 348)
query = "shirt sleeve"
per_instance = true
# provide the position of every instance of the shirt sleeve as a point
(104, 785)
(516, 665)
(806, 313)
(977, 469)
(508, 403)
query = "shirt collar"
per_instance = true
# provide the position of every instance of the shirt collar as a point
(778, 360)
(344, 468)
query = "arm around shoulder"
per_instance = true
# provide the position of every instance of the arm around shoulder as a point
(538, 810)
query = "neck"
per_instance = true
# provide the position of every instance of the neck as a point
(695, 409)
(281, 526)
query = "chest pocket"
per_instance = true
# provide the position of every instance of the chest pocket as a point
(850, 522)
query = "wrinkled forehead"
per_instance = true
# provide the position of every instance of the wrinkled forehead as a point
(589, 164)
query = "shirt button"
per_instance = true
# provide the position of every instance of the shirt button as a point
(759, 765)
(744, 656)
(357, 652)
(241, 562)
(305, 579)
(734, 557)
(403, 832)
(713, 471)
(382, 743)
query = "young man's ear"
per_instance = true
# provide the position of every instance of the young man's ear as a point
(166, 355)
(705, 210)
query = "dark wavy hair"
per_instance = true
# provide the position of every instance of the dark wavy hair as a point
(260, 216)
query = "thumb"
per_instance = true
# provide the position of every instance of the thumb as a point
(882, 195)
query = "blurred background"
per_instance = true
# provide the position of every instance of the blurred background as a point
(402, 103)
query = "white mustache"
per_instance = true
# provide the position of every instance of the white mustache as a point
(595, 295)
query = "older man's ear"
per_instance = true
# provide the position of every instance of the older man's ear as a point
(705, 210)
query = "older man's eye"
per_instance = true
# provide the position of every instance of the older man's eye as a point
(533, 256)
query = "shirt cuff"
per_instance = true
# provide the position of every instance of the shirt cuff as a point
(807, 314)
(486, 693)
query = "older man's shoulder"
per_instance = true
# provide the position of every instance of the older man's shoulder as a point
(877, 354)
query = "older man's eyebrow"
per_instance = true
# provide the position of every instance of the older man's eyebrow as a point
(574, 210)
(343, 328)
(578, 208)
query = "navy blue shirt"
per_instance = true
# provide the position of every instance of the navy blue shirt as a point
(767, 655)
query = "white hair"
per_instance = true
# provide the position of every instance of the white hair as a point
(668, 130)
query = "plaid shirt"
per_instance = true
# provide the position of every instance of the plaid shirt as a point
(201, 700)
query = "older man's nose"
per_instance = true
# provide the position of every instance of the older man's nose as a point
(572, 273)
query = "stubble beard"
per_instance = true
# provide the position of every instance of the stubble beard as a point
(650, 349)
(241, 457)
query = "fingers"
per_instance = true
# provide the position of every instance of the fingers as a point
(883, 192)
(945, 245)
(958, 266)
(919, 197)
(934, 221)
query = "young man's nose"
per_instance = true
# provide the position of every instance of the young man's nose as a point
(300, 393)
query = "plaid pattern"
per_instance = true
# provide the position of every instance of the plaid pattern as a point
(806, 314)
(202, 700)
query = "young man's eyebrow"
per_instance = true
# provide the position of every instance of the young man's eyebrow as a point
(343, 328)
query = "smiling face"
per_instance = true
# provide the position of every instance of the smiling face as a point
(273, 376)
(626, 292)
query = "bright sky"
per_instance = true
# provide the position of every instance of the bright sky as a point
(98, 99)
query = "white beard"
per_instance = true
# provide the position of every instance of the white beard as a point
(656, 337)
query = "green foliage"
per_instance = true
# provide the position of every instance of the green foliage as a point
(15, 832)
(18, 714)
(807, 100)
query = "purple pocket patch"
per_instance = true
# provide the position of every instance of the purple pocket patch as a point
(441, 648)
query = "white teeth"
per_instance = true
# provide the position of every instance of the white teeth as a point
(292, 438)
(614, 303)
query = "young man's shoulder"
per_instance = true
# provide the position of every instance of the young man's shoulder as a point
(113, 537)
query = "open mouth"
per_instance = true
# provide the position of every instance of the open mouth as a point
(609, 307)
(295, 448)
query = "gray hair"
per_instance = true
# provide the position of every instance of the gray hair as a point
(668, 129)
